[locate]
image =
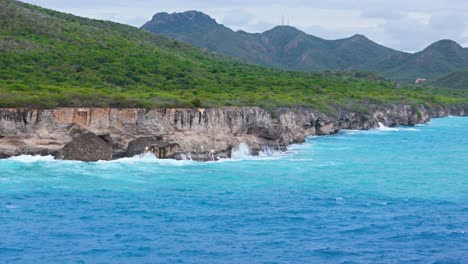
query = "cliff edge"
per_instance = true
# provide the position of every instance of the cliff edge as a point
(202, 134)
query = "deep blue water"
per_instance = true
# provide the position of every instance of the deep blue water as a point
(358, 197)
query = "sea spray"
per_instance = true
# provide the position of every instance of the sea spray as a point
(32, 158)
(241, 152)
(382, 127)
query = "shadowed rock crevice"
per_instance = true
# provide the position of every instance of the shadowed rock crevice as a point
(141, 145)
(164, 150)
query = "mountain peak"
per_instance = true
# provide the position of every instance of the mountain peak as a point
(290, 48)
(191, 15)
(444, 44)
(284, 31)
(358, 37)
(195, 15)
(180, 22)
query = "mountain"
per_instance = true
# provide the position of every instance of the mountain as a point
(456, 80)
(288, 48)
(440, 58)
(51, 59)
(282, 47)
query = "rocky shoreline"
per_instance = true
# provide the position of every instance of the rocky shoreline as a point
(91, 134)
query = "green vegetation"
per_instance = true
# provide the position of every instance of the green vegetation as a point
(50, 59)
(288, 48)
(455, 80)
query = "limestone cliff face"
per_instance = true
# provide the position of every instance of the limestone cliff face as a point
(453, 111)
(203, 132)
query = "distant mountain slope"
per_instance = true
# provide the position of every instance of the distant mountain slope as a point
(289, 48)
(457, 80)
(283, 46)
(440, 58)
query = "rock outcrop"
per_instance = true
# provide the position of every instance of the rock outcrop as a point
(164, 151)
(200, 134)
(86, 147)
(141, 145)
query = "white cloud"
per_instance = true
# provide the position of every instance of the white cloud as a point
(237, 17)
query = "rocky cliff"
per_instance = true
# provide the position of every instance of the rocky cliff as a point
(202, 134)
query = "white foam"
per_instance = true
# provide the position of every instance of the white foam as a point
(148, 158)
(241, 152)
(411, 129)
(267, 151)
(31, 159)
(137, 158)
(350, 131)
(382, 127)
(184, 157)
(270, 153)
(301, 159)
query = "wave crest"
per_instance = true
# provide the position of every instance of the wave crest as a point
(382, 127)
(32, 158)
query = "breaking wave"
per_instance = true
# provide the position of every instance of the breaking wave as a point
(31, 158)
(382, 127)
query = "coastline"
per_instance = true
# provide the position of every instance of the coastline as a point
(203, 134)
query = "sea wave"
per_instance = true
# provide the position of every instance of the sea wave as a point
(382, 127)
(32, 158)
(411, 129)
(240, 153)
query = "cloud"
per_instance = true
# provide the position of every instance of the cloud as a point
(237, 18)
(382, 14)
(413, 32)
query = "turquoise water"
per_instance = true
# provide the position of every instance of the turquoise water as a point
(383, 196)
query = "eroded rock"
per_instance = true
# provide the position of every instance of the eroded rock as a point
(205, 133)
(141, 145)
(86, 147)
(164, 150)
(323, 127)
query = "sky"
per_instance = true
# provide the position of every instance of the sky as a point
(407, 25)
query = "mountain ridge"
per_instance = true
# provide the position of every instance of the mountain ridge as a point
(50, 59)
(289, 48)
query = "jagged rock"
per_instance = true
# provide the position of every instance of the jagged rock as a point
(155, 145)
(87, 147)
(195, 130)
(164, 151)
(323, 127)
(141, 145)
(263, 131)
(211, 155)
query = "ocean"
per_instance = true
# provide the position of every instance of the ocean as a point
(389, 195)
